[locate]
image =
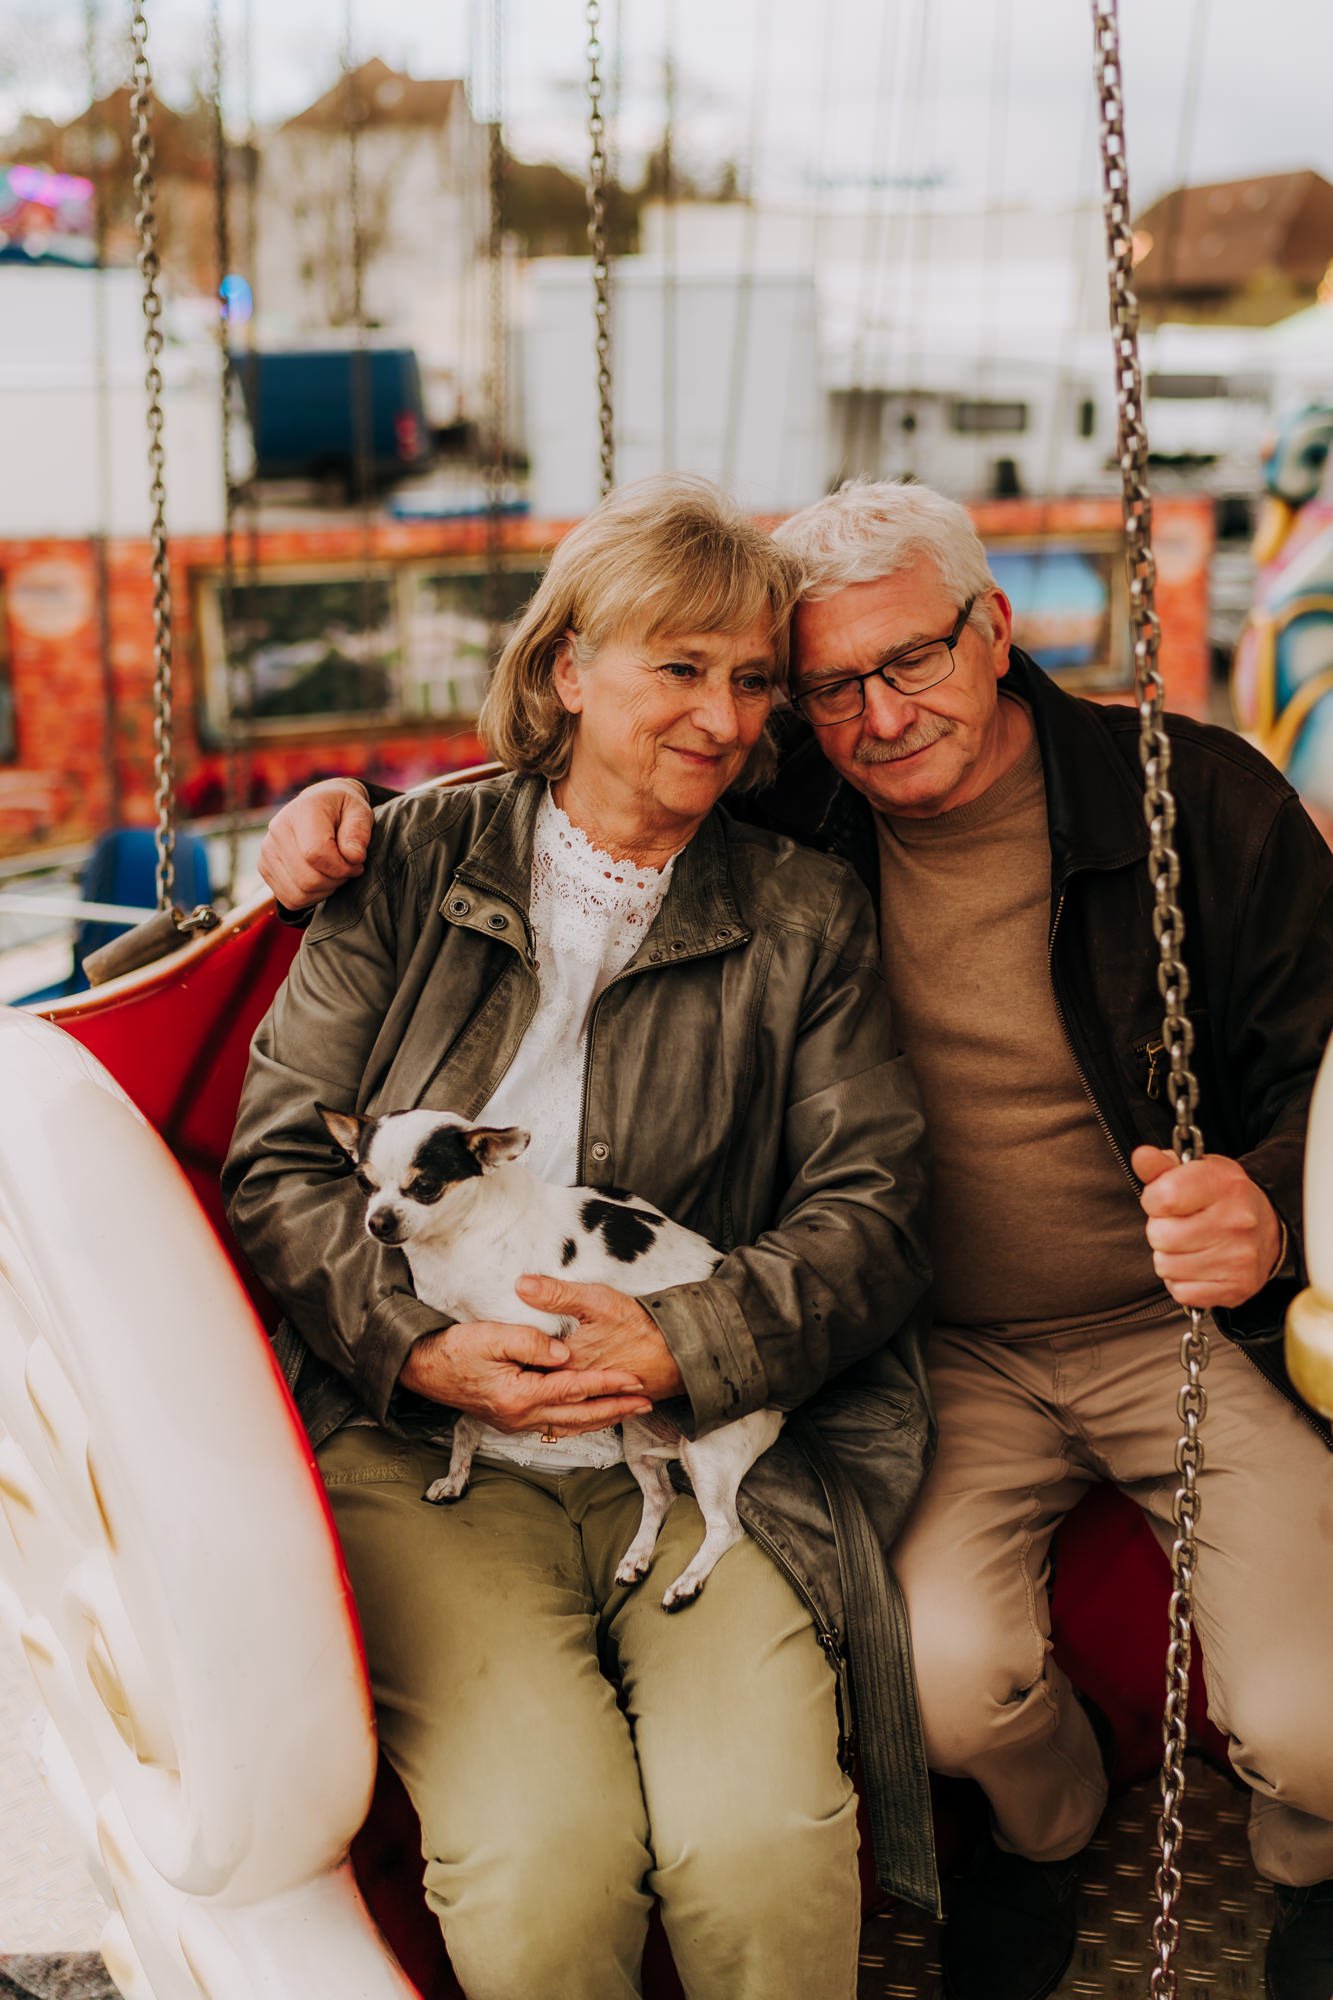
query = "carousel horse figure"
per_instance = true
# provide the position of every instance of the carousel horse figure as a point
(1282, 679)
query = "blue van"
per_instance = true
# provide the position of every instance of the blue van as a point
(341, 416)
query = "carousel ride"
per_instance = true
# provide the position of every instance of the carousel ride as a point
(1282, 681)
(169, 1566)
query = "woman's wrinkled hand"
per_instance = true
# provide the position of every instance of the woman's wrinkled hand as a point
(610, 1330)
(318, 840)
(519, 1379)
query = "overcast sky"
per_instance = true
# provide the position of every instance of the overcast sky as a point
(990, 98)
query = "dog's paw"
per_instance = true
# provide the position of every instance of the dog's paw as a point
(680, 1594)
(442, 1491)
(633, 1571)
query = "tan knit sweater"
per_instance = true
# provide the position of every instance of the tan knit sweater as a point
(1036, 1224)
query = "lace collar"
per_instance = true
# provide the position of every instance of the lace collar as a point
(562, 853)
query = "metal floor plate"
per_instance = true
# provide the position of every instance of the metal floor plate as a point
(1225, 1910)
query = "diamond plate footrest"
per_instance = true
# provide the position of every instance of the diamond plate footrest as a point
(58, 1976)
(1225, 1911)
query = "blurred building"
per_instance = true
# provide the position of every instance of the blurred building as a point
(417, 159)
(1249, 252)
(98, 146)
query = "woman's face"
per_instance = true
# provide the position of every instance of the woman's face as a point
(665, 724)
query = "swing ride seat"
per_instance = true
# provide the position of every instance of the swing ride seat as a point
(174, 1038)
(122, 868)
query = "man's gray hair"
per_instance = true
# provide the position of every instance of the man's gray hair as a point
(871, 528)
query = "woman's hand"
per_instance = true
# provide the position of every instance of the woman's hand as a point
(612, 1331)
(518, 1379)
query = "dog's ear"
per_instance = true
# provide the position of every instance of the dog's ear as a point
(492, 1144)
(345, 1128)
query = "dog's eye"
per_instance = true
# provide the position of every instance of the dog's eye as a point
(363, 1181)
(427, 1190)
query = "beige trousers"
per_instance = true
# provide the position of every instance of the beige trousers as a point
(1025, 1426)
(573, 1750)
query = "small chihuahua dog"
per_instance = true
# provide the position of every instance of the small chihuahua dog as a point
(470, 1222)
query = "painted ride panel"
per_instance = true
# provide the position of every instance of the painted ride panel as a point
(1282, 680)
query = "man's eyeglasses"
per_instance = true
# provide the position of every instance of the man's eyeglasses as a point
(912, 672)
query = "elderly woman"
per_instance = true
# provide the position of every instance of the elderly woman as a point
(671, 1002)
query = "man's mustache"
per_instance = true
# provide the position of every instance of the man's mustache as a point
(875, 750)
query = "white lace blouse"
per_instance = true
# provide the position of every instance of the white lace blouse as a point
(589, 914)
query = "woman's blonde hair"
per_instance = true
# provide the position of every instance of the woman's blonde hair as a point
(673, 553)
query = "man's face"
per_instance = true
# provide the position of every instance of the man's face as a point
(912, 755)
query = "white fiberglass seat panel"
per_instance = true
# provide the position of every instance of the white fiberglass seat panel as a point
(1310, 1320)
(167, 1564)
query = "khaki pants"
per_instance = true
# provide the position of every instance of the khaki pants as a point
(1025, 1427)
(573, 1750)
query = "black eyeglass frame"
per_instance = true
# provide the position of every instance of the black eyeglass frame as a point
(884, 673)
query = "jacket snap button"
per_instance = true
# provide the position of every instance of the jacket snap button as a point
(497, 922)
(600, 1151)
(655, 956)
(677, 944)
(459, 907)
(721, 936)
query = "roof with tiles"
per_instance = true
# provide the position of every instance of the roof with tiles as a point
(378, 95)
(1213, 239)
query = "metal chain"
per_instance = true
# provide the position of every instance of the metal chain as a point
(1172, 978)
(601, 269)
(145, 189)
(252, 629)
(670, 240)
(236, 760)
(363, 419)
(101, 573)
(498, 386)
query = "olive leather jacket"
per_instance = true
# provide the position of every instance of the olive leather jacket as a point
(1257, 898)
(742, 1074)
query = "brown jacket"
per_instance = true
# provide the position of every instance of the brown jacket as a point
(742, 1074)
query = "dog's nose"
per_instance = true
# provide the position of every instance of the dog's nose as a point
(386, 1223)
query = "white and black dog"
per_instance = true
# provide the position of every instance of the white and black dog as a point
(471, 1222)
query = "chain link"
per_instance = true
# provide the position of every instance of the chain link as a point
(1172, 978)
(96, 131)
(601, 268)
(145, 189)
(362, 386)
(236, 747)
(498, 387)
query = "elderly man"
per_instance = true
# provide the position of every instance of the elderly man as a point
(998, 823)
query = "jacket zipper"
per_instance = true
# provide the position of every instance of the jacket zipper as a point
(1111, 1139)
(830, 1643)
(1155, 1051)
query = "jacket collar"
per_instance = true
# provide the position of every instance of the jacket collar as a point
(500, 861)
(1094, 805)
(700, 911)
